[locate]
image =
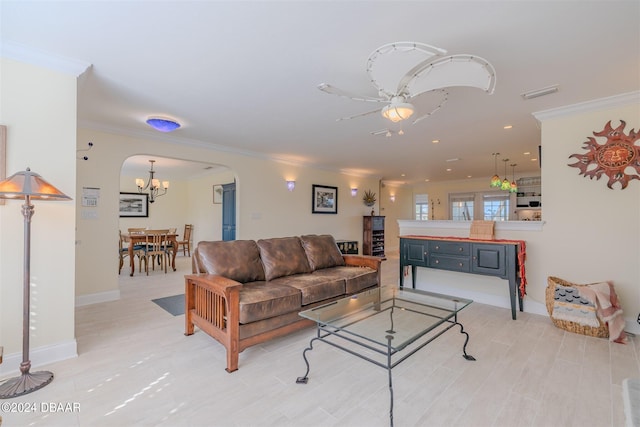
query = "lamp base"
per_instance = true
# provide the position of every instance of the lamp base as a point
(24, 384)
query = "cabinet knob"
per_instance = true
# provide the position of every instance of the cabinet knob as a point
(437, 247)
(460, 264)
(437, 261)
(460, 249)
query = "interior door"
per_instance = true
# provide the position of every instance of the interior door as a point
(229, 211)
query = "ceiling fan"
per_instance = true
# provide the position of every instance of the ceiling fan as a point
(402, 71)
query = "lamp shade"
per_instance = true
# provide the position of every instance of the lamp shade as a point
(27, 183)
(397, 111)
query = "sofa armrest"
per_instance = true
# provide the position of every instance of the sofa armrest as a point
(212, 302)
(213, 299)
(364, 261)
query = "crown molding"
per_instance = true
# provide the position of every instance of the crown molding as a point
(22, 53)
(588, 106)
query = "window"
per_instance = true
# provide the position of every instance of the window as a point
(496, 207)
(422, 207)
(462, 207)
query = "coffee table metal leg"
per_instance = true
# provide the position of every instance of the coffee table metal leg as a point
(464, 347)
(305, 378)
(389, 366)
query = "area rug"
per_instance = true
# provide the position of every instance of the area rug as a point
(173, 304)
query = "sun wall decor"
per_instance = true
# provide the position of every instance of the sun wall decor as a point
(618, 157)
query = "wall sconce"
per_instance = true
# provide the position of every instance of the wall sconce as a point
(354, 192)
(291, 185)
(393, 198)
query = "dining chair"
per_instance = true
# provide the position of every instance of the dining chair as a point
(156, 242)
(186, 240)
(138, 250)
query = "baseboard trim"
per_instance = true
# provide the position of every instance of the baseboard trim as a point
(39, 356)
(97, 298)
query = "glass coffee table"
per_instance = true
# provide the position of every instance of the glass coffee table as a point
(385, 326)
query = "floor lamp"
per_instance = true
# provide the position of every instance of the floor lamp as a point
(27, 186)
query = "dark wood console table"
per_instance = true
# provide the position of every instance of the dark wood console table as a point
(499, 258)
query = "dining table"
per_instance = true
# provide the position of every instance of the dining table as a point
(141, 239)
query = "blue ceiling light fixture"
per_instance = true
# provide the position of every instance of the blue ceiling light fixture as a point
(163, 124)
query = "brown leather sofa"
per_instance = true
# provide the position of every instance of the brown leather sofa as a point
(245, 292)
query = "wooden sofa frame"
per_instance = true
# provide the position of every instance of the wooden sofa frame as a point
(212, 303)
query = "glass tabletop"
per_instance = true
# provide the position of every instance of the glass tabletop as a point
(388, 315)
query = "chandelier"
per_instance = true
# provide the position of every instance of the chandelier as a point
(153, 185)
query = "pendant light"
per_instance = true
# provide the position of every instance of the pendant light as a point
(495, 180)
(514, 187)
(506, 185)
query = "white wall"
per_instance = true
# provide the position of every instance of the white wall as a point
(38, 107)
(590, 233)
(265, 208)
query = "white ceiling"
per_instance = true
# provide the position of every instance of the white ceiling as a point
(242, 76)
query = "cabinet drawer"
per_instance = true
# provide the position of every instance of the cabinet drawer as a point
(449, 248)
(445, 262)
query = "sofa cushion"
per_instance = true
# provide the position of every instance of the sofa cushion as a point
(356, 278)
(262, 300)
(313, 288)
(283, 256)
(322, 251)
(237, 260)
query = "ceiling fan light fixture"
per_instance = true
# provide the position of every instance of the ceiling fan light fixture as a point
(397, 112)
(163, 124)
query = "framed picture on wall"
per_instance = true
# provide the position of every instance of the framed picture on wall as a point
(134, 205)
(324, 199)
(217, 194)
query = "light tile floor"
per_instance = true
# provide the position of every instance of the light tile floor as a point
(135, 367)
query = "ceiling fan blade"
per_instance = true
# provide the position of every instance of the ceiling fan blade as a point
(454, 70)
(388, 63)
(382, 132)
(327, 88)
(359, 115)
(437, 104)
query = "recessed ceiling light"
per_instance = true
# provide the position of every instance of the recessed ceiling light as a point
(534, 159)
(468, 176)
(507, 126)
(402, 174)
(449, 169)
(526, 153)
(427, 180)
(455, 159)
(435, 141)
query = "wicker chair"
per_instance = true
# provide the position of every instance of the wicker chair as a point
(601, 331)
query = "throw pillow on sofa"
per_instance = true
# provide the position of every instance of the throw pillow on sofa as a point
(283, 256)
(237, 260)
(322, 251)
